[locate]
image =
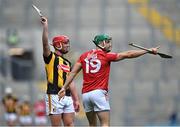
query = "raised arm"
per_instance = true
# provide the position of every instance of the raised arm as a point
(134, 53)
(46, 48)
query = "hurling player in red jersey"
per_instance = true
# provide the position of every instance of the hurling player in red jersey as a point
(95, 65)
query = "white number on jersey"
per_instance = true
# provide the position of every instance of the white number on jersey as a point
(94, 63)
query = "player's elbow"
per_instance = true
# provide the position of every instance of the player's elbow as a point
(130, 54)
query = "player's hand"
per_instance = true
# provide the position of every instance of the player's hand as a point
(61, 93)
(154, 50)
(44, 20)
(76, 106)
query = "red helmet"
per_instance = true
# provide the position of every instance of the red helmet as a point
(58, 40)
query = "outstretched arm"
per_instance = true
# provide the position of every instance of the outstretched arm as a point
(134, 53)
(73, 73)
(46, 49)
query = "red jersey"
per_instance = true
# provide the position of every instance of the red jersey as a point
(96, 69)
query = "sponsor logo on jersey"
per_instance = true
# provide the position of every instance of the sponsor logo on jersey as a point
(63, 67)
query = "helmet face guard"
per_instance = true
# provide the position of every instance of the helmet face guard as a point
(59, 40)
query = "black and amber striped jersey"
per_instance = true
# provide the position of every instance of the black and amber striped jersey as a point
(57, 70)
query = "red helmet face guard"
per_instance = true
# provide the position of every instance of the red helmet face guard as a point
(59, 40)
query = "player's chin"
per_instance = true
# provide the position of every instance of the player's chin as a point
(108, 50)
(66, 51)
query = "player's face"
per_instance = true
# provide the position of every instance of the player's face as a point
(108, 45)
(65, 47)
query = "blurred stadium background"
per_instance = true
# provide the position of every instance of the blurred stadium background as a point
(143, 91)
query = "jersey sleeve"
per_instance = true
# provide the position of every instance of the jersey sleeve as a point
(111, 56)
(47, 59)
